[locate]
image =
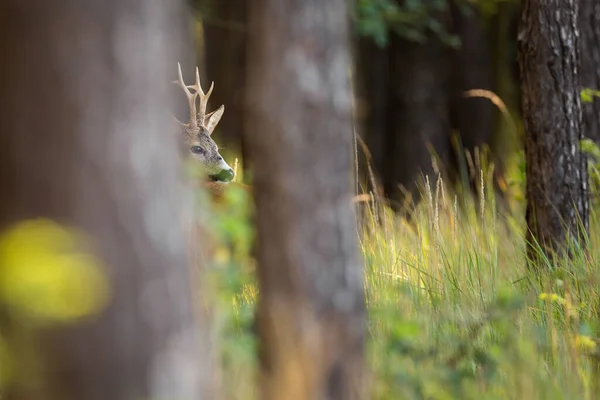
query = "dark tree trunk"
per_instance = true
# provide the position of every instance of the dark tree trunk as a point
(557, 198)
(472, 117)
(225, 42)
(418, 126)
(86, 140)
(589, 25)
(371, 88)
(311, 315)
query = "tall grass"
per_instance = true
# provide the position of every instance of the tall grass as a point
(453, 310)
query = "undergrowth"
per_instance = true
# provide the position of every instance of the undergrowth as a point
(453, 310)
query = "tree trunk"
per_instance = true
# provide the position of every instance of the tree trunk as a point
(557, 198)
(589, 25)
(225, 41)
(418, 126)
(472, 117)
(371, 89)
(86, 141)
(311, 315)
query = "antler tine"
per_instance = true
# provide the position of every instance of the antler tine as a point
(191, 97)
(203, 98)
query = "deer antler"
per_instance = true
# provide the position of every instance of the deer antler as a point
(198, 117)
(191, 97)
(203, 98)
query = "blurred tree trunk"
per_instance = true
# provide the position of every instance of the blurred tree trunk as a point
(311, 315)
(371, 86)
(86, 140)
(557, 198)
(418, 126)
(472, 117)
(225, 41)
(589, 25)
(507, 138)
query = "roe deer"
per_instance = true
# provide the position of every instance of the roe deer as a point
(197, 137)
(197, 140)
(200, 127)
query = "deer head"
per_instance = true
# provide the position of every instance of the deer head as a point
(197, 132)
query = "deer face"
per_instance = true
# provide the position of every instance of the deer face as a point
(198, 130)
(205, 151)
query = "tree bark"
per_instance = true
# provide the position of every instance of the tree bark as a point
(589, 25)
(418, 126)
(311, 314)
(86, 140)
(557, 195)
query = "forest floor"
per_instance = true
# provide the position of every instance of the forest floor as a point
(453, 310)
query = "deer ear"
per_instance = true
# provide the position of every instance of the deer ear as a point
(213, 119)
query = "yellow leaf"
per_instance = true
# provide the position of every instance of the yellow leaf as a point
(47, 274)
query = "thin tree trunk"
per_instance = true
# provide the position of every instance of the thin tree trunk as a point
(472, 117)
(589, 25)
(371, 87)
(418, 127)
(311, 315)
(86, 141)
(557, 198)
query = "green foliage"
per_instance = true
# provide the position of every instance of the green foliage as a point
(588, 95)
(233, 280)
(414, 20)
(464, 356)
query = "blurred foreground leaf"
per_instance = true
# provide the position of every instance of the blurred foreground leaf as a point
(46, 274)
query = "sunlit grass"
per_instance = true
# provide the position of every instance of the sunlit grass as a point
(455, 314)
(453, 310)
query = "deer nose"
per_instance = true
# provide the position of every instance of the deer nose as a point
(225, 175)
(228, 174)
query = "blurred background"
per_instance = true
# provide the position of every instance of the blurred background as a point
(408, 176)
(413, 63)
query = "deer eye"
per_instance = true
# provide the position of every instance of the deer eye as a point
(197, 150)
